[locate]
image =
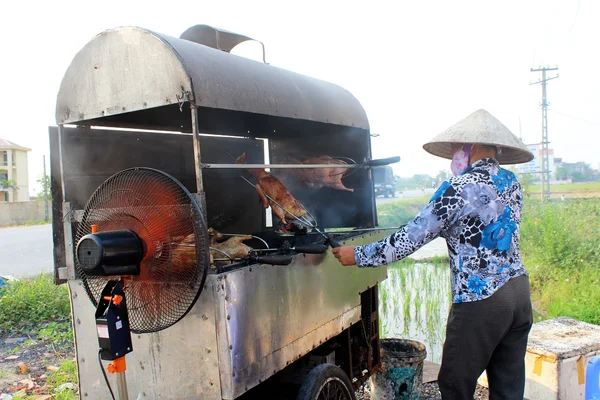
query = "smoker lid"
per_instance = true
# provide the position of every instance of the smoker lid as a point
(129, 69)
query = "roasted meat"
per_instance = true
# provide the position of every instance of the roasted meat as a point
(183, 250)
(269, 186)
(233, 246)
(316, 177)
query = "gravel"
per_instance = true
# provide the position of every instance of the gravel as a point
(430, 392)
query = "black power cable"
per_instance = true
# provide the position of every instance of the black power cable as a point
(104, 373)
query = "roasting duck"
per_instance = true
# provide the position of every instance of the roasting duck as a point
(268, 185)
(183, 252)
(233, 246)
(316, 177)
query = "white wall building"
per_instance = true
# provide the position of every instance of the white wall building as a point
(535, 165)
(14, 170)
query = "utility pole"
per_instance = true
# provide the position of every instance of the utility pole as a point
(545, 161)
(45, 192)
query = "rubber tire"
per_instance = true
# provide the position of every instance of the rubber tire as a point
(317, 376)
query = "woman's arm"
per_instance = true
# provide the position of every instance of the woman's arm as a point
(439, 214)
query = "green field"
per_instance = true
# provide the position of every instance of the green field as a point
(570, 190)
(560, 246)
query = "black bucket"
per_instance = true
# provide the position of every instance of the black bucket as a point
(401, 376)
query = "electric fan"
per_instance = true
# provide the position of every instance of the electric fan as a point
(142, 254)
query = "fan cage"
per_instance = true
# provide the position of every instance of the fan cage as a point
(173, 232)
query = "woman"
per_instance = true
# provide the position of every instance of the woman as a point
(478, 212)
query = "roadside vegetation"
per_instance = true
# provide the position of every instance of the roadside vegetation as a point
(561, 250)
(36, 340)
(560, 246)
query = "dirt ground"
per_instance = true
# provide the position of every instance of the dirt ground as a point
(25, 364)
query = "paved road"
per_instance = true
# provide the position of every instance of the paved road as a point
(26, 251)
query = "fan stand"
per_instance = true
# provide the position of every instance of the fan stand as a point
(118, 367)
(132, 211)
(114, 334)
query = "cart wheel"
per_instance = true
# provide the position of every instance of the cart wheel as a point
(326, 382)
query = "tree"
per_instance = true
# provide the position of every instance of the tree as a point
(8, 183)
(561, 173)
(578, 177)
(441, 176)
(421, 180)
(40, 181)
(526, 180)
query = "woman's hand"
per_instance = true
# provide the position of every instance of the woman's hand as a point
(345, 255)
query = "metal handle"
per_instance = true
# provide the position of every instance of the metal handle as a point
(274, 260)
(334, 244)
(311, 249)
(383, 161)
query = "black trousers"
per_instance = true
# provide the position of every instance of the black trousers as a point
(489, 335)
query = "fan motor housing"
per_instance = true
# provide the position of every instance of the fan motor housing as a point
(110, 253)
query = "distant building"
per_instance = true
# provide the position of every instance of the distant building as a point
(557, 162)
(535, 165)
(582, 170)
(14, 172)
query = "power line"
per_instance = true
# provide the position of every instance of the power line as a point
(575, 19)
(545, 160)
(574, 117)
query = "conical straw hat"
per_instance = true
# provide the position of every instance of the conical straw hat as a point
(482, 128)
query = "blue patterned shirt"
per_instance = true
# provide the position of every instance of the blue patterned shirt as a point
(478, 213)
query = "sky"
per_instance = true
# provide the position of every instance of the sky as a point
(417, 67)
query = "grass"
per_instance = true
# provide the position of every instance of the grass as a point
(560, 246)
(41, 310)
(35, 222)
(398, 212)
(436, 260)
(65, 375)
(36, 306)
(32, 222)
(569, 187)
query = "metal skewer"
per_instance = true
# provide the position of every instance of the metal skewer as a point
(312, 225)
(229, 258)
(225, 234)
(289, 166)
(301, 219)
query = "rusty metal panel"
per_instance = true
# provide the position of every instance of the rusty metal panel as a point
(127, 70)
(273, 315)
(90, 156)
(178, 363)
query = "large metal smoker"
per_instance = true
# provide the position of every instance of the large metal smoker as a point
(135, 98)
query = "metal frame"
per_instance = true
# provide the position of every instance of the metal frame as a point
(250, 324)
(98, 84)
(231, 355)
